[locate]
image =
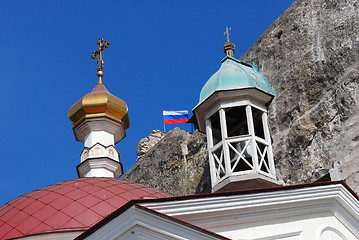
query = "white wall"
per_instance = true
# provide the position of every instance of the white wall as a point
(315, 226)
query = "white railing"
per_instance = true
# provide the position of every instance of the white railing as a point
(220, 169)
(240, 146)
(242, 157)
(263, 158)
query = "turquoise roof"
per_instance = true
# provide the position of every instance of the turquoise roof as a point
(235, 74)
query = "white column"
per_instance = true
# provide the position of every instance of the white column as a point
(103, 137)
(252, 133)
(227, 163)
(268, 140)
(212, 166)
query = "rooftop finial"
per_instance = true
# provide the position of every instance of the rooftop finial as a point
(227, 32)
(228, 46)
(100, 62)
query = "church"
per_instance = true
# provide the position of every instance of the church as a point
(247, 201)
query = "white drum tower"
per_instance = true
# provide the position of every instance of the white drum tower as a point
(232, 111)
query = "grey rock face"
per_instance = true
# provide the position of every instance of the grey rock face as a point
(177, 164)
(147, 143)
(311, 57)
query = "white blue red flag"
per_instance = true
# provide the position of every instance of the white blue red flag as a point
(170, 117)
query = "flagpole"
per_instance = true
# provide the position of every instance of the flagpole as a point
(164, 128)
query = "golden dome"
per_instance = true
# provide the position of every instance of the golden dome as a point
(99, 103)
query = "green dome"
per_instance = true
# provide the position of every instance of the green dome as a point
(235, 74)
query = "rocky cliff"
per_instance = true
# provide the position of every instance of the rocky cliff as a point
(177, 164)
(310, 55)
(147, 143)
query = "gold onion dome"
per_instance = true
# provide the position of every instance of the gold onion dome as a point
(99, 103)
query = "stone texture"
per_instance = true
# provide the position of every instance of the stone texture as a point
(177, 164)
(311, 57)
(147, 143)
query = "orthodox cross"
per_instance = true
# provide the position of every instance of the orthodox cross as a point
(227, 32)
(98, 52)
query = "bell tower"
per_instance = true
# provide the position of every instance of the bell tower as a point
(99, 121)
(233, 112)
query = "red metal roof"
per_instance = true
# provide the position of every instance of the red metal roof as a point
(67, 206)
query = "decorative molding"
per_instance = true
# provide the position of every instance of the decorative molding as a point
(223, 210)
(99, 124)
(66, 235)
(135, 222)
(244, 176)
(87, 153)
(98, 163)
(333, 230)
(280, 236)
(202, 111)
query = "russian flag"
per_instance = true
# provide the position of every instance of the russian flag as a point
(175, 117)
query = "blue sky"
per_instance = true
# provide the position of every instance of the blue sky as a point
(161, 53)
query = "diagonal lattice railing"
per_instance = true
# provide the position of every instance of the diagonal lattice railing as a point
(241, 156)
(262, 152)
(240, 151)
(218, 156)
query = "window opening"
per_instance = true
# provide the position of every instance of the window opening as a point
(258, 123)
(236, 121)
(216, 128)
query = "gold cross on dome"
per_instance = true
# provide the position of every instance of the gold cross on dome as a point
(99, 51)
(227, 32)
